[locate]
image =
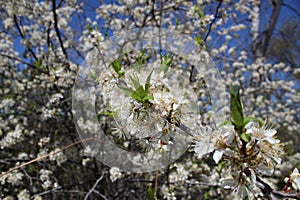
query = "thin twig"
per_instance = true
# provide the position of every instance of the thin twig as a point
(213, 21)
(57, 29)
(93, 188)
(156, 184)
(45, 156)
(271, 193)
(23, 36)
(17, 59)
(292, 8)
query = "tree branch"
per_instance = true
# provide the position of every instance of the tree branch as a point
(269, 31)
(57, 29)
(267, 190)
(213, 21)
(292, 9)
(93, 188)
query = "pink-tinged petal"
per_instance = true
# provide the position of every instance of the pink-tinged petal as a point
(270, 132)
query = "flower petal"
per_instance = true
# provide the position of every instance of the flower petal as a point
(296, 183)
(218, 155)
(270, 132)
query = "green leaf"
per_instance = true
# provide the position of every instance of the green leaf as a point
(38, 63)
(117, 66)
(141, 92)
(148, 97)
(176, 22)
(93, 76)
(147, 84)
(109, 113)
(227, 122)
(127, 91)
(253, 119)
(236, 109)
(136, 82)
(245, 137)
(166, 62)
(151, 193)
(199, 40)
(90, 28)
(121, 73)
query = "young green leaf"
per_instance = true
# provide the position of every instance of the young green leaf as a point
(127, 91)
(236, 109)
(227, 122)
(147, 84)
(135, 81)
(253, 119)
(140, 93)
(245, 137)
(90, 28)
(117, 66)
(148, 97)
(166, 62)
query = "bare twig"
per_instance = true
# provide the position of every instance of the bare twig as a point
(45, 156)
(156, 184)
(93, 188)
(296, 11)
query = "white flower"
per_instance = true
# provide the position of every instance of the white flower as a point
(180, 175)
(23, 195)
(55, 98)
(218, 155)
(115, 174)
(168, 193)
(58, 157)
(203, 143)
(265, 146)
(212, 140)
(295, 179)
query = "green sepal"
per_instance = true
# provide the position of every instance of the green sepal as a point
(245, 137)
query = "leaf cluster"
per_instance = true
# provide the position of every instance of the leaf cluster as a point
(166, 62)
(140, 93)
(117, 66)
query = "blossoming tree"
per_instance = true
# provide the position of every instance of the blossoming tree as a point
(150, 101)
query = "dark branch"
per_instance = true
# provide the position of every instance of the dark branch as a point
(57, 29)
(267, 190)
(273, 21)
(213, 21)
(23, 36)
(292, 9)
